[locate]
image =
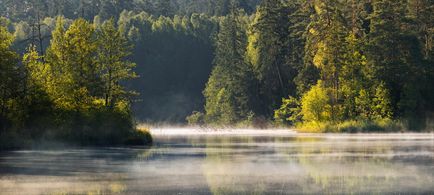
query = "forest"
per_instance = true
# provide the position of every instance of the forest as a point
(88, 71)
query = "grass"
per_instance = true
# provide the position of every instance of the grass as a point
(352, 126)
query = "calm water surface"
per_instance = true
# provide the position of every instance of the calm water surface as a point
(187, 161)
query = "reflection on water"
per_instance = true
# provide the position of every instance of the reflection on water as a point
(230, 163)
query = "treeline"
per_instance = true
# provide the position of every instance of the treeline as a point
(333, 65)
(173, 55)
(353, 65)
(73, 93)
(174, 58)
(27, 10)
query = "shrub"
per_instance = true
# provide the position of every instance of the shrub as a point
(196, 118)
(289, 112)
(352, 126)
(315, 105)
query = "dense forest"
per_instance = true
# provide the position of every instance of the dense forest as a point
(181, 72)
(325, 65)
(86, 69)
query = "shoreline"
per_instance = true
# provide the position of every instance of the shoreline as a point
(199, 131)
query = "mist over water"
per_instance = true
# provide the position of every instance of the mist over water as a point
(246, 161)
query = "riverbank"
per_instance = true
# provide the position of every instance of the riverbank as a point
(365, 126)
(96, 126)
(351, 126)
(13, 141)
(206, 131)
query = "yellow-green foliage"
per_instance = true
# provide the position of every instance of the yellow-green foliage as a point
(382, 103)
(251, 50)
(196, 118)
(73, 93)
(10, 81)
(315, 105)
(39, 74)
(363, 104)
(289, 112)
(228, 91)
(352, 126)
(219, 108)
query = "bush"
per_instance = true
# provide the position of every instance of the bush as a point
(315, 104)
(289, 112)
(196, 118)
(103, 126)
(97, 126)
(138, 138)
(353, 126)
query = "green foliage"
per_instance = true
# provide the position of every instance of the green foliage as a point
(9, 81)
(353, 126)
(220, 107)
(88, 9)
(229, 89)
(351, 88)
(348, 63)
(289, 112)
(267, 52)
(39, 73)
(315, 104)
(196, 118)
(112, 52)
(305, 73)
(364, 104)
(392, 51)
(382, 103)
(65, 94)
(174, 60)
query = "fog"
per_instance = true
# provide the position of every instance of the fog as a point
(242, 161)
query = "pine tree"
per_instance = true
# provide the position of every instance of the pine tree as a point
(393, 52)
(228, 92)
(306, 73)
(267, 50)
(356, 78)
(9, 76)
(420, 12)
(164, 8)
(113, 50)
(107, 8)
(327, 33)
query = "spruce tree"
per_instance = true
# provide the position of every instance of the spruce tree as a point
(228, 92)
(393, 52)
(9, 77)
(113, 66)
(267, 51)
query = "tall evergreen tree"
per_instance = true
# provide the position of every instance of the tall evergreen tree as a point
(228, 92)
(9, 77)
(393, 53)
(327, 32)
(113, 50)
(422, 23)
(165, 7)
(306, 73)
(267, 50)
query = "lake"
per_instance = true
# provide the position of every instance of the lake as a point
(198, 161)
